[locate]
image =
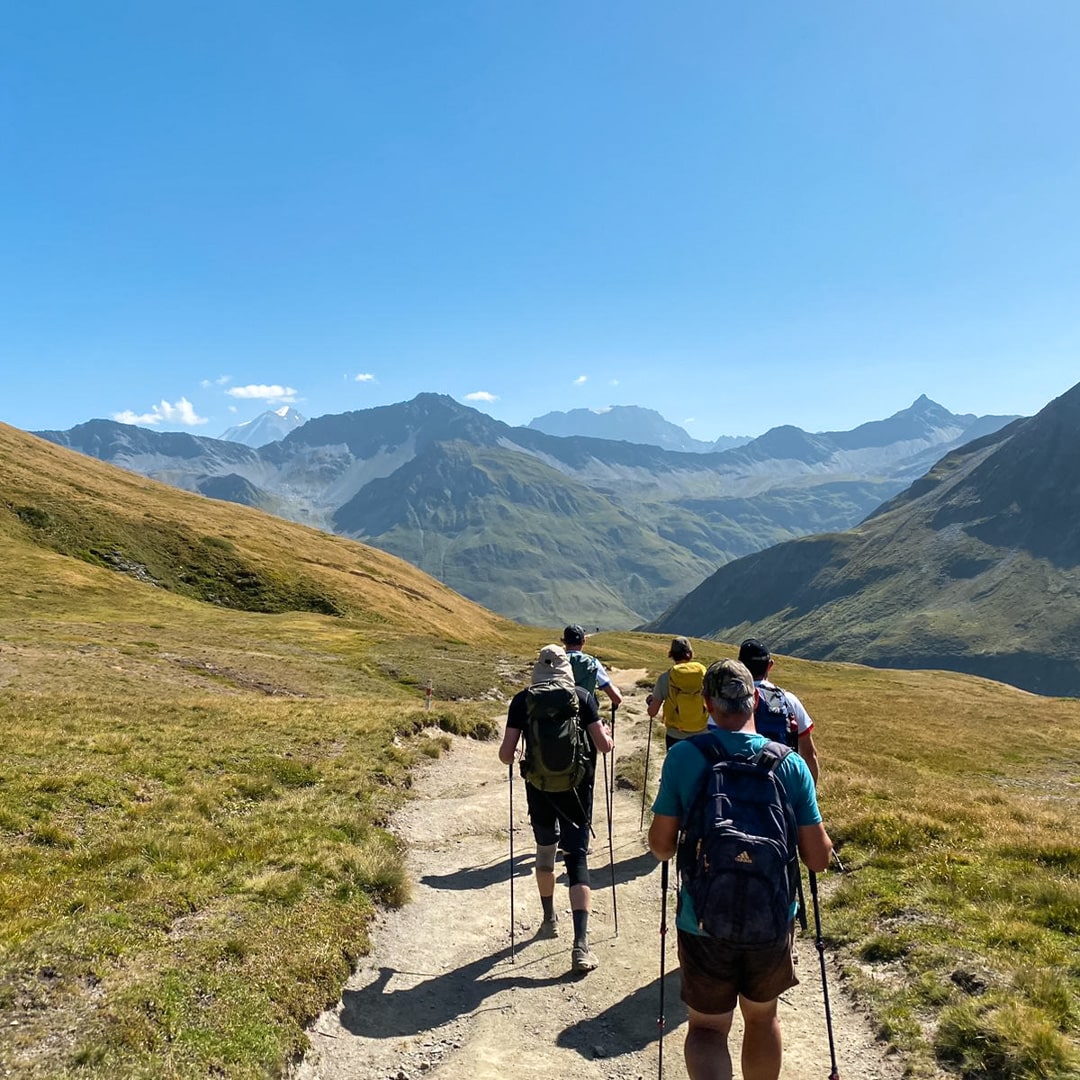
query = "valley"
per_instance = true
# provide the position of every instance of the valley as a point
(623, 529)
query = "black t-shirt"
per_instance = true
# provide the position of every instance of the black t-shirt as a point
(588, 713)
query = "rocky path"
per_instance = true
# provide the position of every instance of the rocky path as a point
(441, 996)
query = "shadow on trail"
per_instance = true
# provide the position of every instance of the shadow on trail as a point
(480, 877)
(492, 873)
(376, 1012)
(631, 1024)
(640, 865)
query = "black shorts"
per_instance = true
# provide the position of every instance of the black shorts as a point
(714, 975)
(562, 817)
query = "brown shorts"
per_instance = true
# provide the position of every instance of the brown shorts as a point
(714, 975)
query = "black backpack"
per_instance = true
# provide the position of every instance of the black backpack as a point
(556, 758)
(773, 714)
(738, 848)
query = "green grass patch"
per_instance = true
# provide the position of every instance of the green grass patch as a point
(195, 875)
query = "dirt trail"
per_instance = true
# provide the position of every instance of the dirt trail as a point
(440, 997)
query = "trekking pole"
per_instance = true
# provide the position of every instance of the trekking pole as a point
(510, 779)
(834, 1075)
(613, 710)
(611, 796)
(645, 780)
(611, 850)
(793, 742)
(663, 950)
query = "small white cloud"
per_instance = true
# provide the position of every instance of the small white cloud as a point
(260, 392)
(581, 380)
(233, 408)
(613, 382)
(221, 380)
(690, 420)
(481, 395)
(183, 412)
(364, 377)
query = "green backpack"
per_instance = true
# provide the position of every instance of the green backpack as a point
(556, 758)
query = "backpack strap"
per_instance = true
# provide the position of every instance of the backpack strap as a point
(770, 755)
(709, 746)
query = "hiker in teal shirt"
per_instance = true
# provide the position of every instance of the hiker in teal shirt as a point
(716, 975)
(589, 673)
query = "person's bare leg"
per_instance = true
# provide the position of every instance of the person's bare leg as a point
(545, 882)
(706, 1048)
(762, 1048)
(580, 896)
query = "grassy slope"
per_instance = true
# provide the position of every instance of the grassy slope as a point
(191, 794)
(191, 798)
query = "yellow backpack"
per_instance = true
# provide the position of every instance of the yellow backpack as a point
(684, 706)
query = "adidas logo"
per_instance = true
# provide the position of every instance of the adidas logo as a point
(744, 857)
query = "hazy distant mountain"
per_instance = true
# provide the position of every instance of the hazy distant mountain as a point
(539, 526)
(630, 423)
(975, 568)
(267, 427)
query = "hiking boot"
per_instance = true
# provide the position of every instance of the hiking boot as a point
(582, 958)
(549, 928)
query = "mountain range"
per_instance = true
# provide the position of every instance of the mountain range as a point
(542, 528)
(975, 567)
(630, 423)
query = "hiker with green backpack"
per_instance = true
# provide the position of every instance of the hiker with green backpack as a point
(563, 732)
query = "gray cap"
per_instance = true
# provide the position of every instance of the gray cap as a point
(729, 679)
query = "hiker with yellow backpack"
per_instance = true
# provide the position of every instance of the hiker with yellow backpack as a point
(678, 692)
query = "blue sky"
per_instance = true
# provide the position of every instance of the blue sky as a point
(741, 215)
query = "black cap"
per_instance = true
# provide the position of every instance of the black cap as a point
(754, 651)
(574, 635)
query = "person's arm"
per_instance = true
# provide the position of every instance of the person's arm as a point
(808, 752)
(600, 736)
(672, 798)
(613, 692)
(591, 722)
(663, 836)
(515, 720)
(815, 847)
(509, 744)
(655, 701)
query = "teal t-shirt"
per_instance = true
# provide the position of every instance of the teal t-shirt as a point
(683, 771)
